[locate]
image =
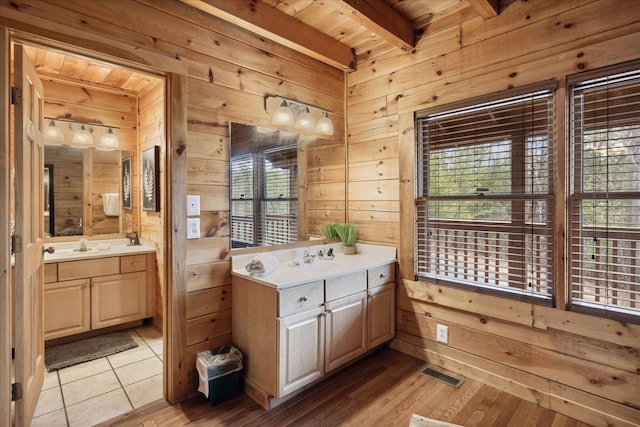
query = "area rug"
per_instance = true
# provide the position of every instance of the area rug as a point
(64, 355)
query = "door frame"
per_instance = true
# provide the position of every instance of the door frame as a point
(6, 316)
(174, 269)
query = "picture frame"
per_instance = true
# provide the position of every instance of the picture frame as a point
(150, 179)
(126, 183)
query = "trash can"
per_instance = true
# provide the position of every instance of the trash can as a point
(219, 372)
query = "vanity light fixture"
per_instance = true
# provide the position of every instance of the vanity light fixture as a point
(108, 141)
(305, 121)
(53, 134)
(81, 135)
(324, 125)
(298, 115)
(283, 116)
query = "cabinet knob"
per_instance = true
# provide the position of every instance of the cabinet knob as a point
(382, 276)
(303, 299)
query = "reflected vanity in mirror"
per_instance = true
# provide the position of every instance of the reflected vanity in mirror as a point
(283, 185)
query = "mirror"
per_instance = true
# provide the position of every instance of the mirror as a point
(49, 217)
(84, 191)
(283, 185)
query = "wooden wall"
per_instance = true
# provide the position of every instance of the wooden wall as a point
(582, 366)
(228, 73)
(152, 131)
(68, 187)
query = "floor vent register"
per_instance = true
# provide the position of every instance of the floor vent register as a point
(447, 379)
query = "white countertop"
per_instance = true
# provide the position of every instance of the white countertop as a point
(285, 276)
(68, 251)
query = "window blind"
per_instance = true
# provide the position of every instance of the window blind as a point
(264, 197)
(485, 196)
(605, 195)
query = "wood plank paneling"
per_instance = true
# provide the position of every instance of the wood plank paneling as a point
(580, 365)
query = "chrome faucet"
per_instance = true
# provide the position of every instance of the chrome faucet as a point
(307, 258)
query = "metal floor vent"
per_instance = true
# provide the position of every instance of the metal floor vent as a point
(447, 379)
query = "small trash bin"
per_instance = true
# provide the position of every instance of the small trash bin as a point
(219, 372)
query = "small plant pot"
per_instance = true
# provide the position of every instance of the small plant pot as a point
(349, 250)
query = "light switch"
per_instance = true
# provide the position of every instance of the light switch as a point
(193, 205)
(193, 228)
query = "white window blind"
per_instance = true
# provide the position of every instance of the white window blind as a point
(242, 209)
(264, 197)
(485, 199)
(605, 195)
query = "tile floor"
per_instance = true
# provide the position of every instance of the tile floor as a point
(96, 391)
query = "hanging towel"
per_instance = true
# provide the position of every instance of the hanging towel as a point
(110, 202)
(262, 265)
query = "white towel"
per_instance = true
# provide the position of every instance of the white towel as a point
(110, 203)
(262, 264)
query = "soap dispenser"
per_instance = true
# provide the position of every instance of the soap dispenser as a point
(136, 241)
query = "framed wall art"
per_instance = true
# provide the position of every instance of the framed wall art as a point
(150, 179)
(126, 183)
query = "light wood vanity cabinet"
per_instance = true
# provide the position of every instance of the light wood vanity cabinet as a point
(90, 294)
(293, 337)
(381, 306)
(67, 308)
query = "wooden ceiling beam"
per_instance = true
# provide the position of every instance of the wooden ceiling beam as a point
(381, 19)
(259, 18)
(486, 8)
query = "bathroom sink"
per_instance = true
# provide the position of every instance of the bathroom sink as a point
(326, 266)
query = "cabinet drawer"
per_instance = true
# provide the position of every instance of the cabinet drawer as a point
(380, 275)
(301, 297)
(50, 273)
(348, 284)
(129, 264)
(88, 268)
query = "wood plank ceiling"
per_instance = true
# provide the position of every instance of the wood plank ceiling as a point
(341, 32)
(337, 32)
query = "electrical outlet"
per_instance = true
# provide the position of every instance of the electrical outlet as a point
(193, 205)
(442, 334)
(193, 228)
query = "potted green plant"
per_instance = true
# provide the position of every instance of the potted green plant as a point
(329, 230)
(347, 233)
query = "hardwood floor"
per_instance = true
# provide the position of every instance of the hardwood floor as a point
(383, 389)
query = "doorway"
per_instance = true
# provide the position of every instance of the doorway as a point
(73, 79)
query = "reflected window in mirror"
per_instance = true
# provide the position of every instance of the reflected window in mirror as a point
(264, 196)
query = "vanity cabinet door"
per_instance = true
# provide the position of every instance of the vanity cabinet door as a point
(118, 298)
(381, 315)
(300, 350)
(346, 330)
(66, 308)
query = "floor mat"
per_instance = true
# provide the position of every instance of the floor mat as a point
(64, 355)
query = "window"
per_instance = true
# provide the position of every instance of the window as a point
(264, 197)
(485, 196)
(604, 207)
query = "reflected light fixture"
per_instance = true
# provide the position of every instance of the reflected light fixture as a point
(108, 141)
(53, 133)
(283, 115)
(81, 136)
(298, 115)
